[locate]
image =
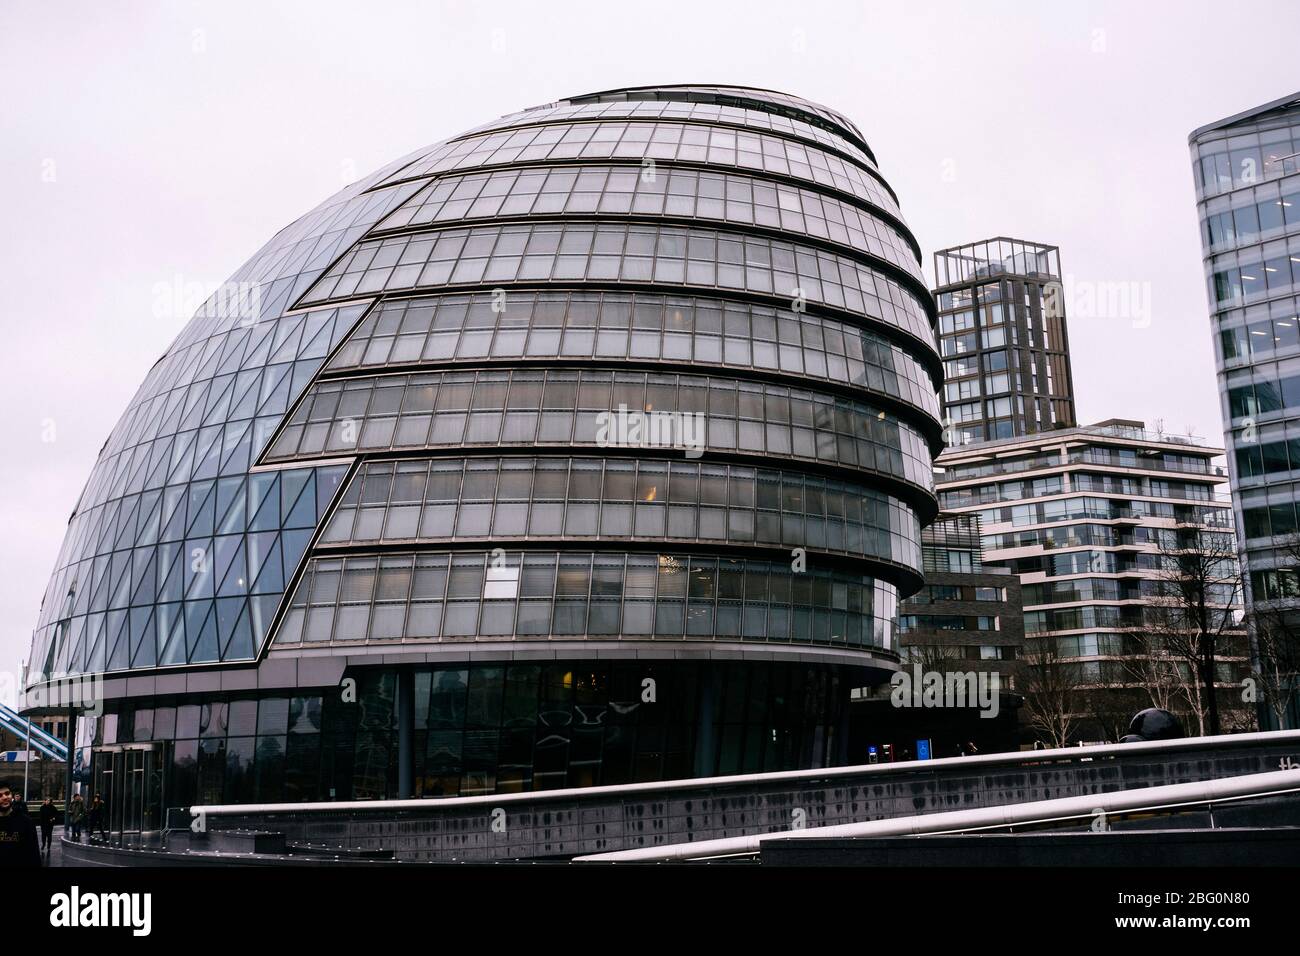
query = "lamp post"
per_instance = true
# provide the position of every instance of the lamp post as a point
(27, 754)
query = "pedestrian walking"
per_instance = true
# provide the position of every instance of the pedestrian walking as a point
(47, 817)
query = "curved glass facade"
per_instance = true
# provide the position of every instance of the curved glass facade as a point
(630, 255)
(592, 190)
(718, 117)
(662, 142)
(483, 728)
(745, 97)
(643, 328)
(563, 407)
(638, 371)
(524, 596)
(1248, 202)
(143, 578)
(546, 498)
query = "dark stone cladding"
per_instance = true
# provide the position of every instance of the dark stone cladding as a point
(1009, 612)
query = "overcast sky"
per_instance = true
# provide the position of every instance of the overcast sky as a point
(150, 146)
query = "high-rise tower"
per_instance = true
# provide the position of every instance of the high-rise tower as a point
(1006, 352)
(1247, 173)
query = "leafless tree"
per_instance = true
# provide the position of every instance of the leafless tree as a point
(1150, 666)
(1194, 610)
(1051, 687)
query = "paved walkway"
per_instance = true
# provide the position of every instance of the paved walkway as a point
(55, 857)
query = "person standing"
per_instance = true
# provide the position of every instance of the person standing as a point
(18, 846)
(95, 817)
(47, 817)
(77, 816)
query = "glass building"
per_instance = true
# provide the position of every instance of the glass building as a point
(1247, 173)
(590, 446)
(1090, 519)
(968, 611)
(965, 624)
(1002, 335)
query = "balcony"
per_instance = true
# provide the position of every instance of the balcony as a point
(1146, 463)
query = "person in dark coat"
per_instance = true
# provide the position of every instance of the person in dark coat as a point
(95, 816)
(47, 816)
(18, 847)
(77, 816)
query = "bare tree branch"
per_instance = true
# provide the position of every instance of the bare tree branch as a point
(1051, 690)
(1193, 612)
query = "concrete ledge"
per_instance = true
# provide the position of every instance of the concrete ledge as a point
(388, 660)
(170, 684)
(245, 679)
(321, 671)
(273, 673)
(140, 686)
(197, 682)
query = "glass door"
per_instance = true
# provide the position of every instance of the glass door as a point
(103, 774)
(133, 787)
(155, 762)
(116, 797)
(129, 779)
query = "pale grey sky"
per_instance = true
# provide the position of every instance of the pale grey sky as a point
(153, 145)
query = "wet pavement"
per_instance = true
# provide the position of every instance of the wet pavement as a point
(55, 855)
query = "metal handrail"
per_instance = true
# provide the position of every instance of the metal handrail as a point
(1016, 758)
(1273, 783)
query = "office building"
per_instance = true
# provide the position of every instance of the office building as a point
(966, 626)
(1003, 337)
(1091, 519)
(968, 613)
(590, 446)
(1247, 173)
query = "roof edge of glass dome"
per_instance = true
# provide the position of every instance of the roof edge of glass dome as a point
(809, 108)
(1281, 104)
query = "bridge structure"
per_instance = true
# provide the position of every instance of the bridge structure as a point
(45, 744)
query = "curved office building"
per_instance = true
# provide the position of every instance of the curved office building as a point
(590, 446)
